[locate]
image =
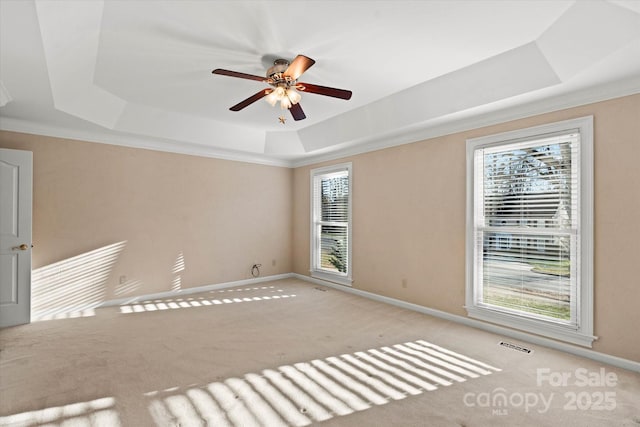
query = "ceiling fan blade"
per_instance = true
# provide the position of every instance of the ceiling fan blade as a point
(239, 106)
(238, 74)
(323, 90)
(298, 66)
(296, 112)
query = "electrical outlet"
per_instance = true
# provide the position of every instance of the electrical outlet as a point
(123, 280)
(404, 283)
(273, 262)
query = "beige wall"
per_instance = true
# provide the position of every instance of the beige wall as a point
(223, 216)
(409, 220)
(220, 216)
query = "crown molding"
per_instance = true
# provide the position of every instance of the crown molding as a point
(460, 122)
(188, 148)
(457, 122)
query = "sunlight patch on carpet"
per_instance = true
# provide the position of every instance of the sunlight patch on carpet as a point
(176, 303)
(315, 391)
(98, 412)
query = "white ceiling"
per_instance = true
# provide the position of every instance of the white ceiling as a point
(138, 73)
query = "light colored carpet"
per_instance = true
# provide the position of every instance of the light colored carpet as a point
(292, 353)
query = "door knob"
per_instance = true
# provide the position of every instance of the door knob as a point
(22, 247)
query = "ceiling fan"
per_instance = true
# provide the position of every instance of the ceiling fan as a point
(283, 77)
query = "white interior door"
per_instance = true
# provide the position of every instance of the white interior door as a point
(15, 236)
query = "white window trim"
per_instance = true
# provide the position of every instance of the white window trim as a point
(321, 274)
(583, 334)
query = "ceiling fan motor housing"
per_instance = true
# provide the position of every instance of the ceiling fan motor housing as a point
(275, 74)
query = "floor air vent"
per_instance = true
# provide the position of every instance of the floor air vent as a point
(515, 347)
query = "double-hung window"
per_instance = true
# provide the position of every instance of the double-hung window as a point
(529, 230)
(331, 223)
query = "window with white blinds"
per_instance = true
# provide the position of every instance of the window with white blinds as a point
(331, 223)
(526, 229)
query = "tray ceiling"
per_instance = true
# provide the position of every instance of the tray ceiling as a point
(138, 73)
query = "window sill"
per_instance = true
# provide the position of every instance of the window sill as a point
(532, 326)
(329, 277)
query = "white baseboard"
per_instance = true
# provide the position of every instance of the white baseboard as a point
(500, 330)
(534, 339)
(197, 289)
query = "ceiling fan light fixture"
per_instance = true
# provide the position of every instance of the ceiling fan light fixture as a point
(285, 96)
(275, 96)
(285, 103)
(293, 95)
